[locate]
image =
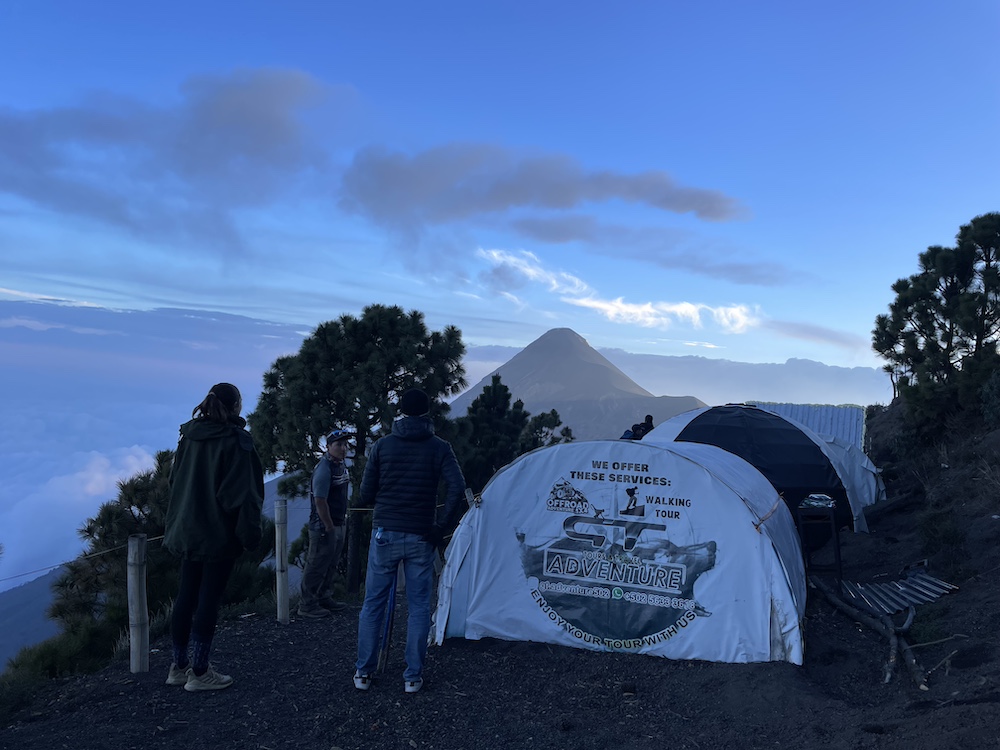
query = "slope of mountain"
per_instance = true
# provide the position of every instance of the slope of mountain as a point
(561, 371)
(22, 616)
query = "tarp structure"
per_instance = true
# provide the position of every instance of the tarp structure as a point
(864, 478)
(796, 460)
(683, 551)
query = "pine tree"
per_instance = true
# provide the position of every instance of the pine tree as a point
(349, 373)
(940, 335)
(495, 431)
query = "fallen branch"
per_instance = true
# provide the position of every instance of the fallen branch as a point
(882, 625)
(940, 640)
(945, 659)
(911, 662)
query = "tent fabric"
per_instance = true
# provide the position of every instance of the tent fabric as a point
(864, 481)
(682, 551)
(796, 460)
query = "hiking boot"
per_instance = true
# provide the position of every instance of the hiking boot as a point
(362, 681)
(178, 675)
(211, 680)
(332, 605)
(413, 686)
(314, 612)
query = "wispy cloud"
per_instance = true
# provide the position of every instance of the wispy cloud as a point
(731, 319)
(39, 325)
(818, 334)
(458, 181)
(670, 248)
(525, 267)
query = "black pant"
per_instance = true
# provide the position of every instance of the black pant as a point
(196, 609)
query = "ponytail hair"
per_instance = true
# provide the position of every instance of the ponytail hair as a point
(222, 402)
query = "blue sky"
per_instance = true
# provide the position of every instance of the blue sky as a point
(728, 179)
(733, 180)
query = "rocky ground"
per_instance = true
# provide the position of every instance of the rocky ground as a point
(293, 682)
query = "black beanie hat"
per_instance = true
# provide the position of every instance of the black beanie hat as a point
(414, 403)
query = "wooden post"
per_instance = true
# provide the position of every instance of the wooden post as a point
(138, 609)
(281, 556)
(354, 524)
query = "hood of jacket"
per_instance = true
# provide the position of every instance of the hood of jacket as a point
(208, 429)
(413, 428)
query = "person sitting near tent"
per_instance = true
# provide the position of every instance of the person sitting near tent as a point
(644, 428)
(630, 434)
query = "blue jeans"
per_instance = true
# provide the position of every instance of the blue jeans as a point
(386, 551)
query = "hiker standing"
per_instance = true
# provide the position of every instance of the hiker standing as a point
(216, 494)
(401, 481)
(327, 514)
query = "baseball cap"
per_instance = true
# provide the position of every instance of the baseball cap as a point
(336, 435)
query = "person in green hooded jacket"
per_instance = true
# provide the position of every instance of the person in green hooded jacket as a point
(214, 513)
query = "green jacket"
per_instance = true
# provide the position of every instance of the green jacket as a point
(216, 492)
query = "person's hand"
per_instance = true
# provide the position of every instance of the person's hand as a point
(435, 536)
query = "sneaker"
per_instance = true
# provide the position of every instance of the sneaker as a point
(413, 686)
(362, 681)
(178, 675)
(332, 605)
(211, 680)
(313, 613)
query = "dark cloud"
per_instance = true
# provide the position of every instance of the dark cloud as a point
(462, 180)
(169, 172)
(559, 229)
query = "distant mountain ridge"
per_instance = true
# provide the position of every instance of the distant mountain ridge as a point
(561, 371)
(721, 381)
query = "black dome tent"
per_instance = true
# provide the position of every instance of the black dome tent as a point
(789, 454)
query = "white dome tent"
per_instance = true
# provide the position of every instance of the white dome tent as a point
(682, 551)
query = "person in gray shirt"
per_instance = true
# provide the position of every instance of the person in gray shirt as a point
(327, 516)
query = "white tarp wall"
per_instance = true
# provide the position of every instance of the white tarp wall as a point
(865, 478)
(682, 551)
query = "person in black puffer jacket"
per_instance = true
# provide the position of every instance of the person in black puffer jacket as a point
(401, 481)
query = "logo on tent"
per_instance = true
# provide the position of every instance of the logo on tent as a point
(611, 575)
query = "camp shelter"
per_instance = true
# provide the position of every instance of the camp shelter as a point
(683, 551)
(796, 460)
(864, 480)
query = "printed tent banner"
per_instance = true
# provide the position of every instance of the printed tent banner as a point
(683, 551)
(796, 460)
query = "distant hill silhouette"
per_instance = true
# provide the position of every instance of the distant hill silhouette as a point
(561, 371)
(721, 381)
(22, 616)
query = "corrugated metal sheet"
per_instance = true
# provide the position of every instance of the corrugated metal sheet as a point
(846, 421)
(888, 598)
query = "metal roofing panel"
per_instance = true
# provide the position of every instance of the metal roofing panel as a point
(846, 421)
